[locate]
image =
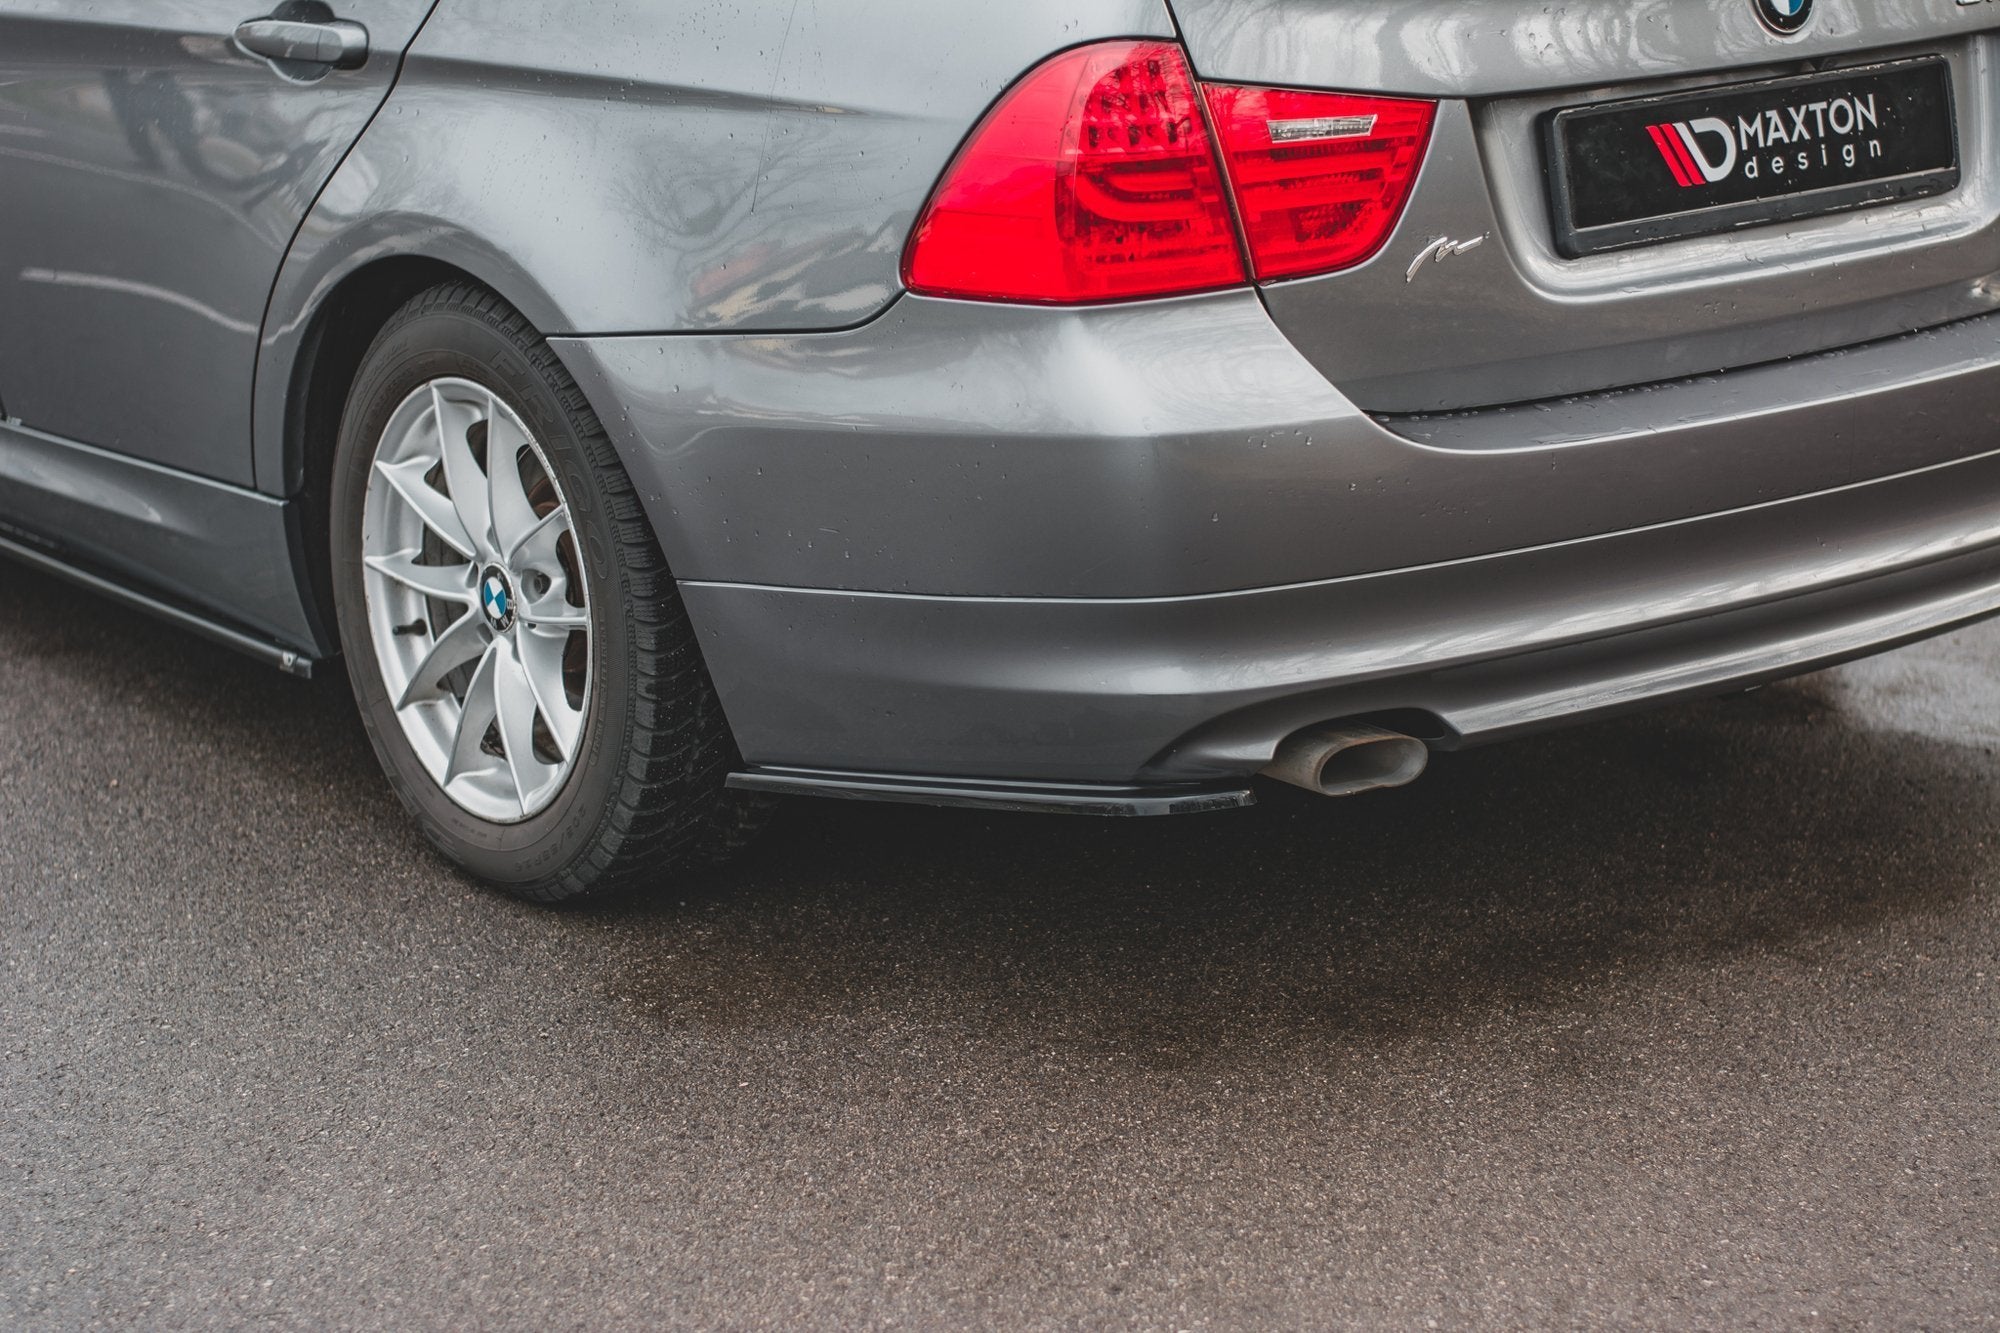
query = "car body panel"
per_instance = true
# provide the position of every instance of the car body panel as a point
(1175, 447)
(1513, 321)
(225, 552)
(667, 168)
(1498, 48)
(154, 176)
(1169, 690)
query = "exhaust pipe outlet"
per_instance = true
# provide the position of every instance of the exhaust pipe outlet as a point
(1341, 759)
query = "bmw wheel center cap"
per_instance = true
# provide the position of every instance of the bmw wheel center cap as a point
(496, 598)
(1785, 16)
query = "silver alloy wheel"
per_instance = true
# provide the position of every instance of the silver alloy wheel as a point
(477, 604)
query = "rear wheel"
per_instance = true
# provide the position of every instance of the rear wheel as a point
(521, 657)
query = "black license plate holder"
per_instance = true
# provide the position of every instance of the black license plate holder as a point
(1711, 160)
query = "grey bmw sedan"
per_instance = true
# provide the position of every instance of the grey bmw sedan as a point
(1101, 406)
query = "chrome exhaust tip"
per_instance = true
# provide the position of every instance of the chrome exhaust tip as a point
(1342, 759)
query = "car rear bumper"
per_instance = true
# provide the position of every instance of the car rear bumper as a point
(1187, 689)
(1093, 547)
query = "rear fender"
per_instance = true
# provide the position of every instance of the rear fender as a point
(667, 168)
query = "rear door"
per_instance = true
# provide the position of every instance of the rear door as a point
(153, 170)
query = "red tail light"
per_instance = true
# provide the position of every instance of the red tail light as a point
(1093, 180)
(1096, 178)
(1320, 178)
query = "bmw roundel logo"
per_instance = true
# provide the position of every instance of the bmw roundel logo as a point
(1785, 16)
(497, 600)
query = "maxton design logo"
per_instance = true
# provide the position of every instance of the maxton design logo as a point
(1685, 156)
(1789, 142)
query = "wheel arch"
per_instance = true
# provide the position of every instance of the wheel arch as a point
(308, 366)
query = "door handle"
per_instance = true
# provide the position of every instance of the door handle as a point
(335, 42)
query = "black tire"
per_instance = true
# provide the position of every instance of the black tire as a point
(645, 802)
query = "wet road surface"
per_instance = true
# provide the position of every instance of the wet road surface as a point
(1686, 1018)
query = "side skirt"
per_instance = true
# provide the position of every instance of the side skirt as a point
(213, 557)
(284, 659)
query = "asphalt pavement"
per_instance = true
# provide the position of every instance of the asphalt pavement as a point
(1682, 1019)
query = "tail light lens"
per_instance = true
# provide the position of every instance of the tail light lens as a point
(1320, 178)
(1095, 178)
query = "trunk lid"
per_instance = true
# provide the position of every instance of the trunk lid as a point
(1473, 303)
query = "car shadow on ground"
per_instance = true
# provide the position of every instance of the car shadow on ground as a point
(1520, 875)
(1508, 877)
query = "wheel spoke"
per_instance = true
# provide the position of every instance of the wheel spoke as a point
(506, 499)
(461, 471)
(541, 658)
(447, 583)
(536, 548)
(463, 640)
(473, 720)
(514, 697)
(554, 614)
(436, 510)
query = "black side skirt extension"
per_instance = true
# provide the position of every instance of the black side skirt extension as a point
(285, 659)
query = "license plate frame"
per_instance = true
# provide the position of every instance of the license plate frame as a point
(1616, 168)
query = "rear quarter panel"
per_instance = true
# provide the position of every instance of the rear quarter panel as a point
(662, 167)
